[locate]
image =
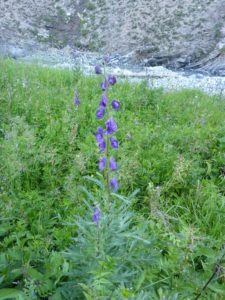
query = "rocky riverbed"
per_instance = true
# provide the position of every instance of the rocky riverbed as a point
(121, 65)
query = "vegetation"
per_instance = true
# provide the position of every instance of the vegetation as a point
(162, 237)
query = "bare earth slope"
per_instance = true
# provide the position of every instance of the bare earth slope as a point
(174, 33)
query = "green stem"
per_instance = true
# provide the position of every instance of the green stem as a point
(98, 241)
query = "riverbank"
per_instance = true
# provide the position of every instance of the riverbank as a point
(122, 66)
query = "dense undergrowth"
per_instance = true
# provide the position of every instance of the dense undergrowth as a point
(172, 149)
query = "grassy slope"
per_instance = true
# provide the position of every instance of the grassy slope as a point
(171, 147)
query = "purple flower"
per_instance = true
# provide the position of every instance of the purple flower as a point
(112, 163)
(100, 130)
(102, 145)
(100, 112)
(76, 99)
(114, 184)
(102, 163)
(115, 104)
(111, 126)
(99, 135)
(111, 79)
(103, 102)
(114, 142)
(98, 70)
(103, 85)
(106, 58)
(96, 215)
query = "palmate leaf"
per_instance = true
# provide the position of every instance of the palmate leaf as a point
(6, 294)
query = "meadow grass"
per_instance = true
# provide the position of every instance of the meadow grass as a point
(172, 148)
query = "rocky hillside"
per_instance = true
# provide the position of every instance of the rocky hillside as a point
(173, 33)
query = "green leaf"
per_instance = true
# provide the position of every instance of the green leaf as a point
(34, 274)
(222, 140)
(56, 296)
(121, 198)
(87, 193)
(94, 180)
(133, 194)
(6, 294)
(140, 280)
(4, 229)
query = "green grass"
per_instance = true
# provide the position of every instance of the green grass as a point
(172, 148)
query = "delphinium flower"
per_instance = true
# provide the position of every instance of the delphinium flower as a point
(111, 79)
(104, 85)
(102, 145)
(102, 163)
(76, 99)
(115, 104)
(104, 136)
(112, 163)
(98, 70)
(103, 102)
(99, 136)
(100, 112)
(96, 215)
(114, 184)
(114, 142)
(106, 59)
(111, 126)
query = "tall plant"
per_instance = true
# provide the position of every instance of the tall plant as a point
(112, 251)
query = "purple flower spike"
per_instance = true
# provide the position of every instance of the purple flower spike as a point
(111, 126)
(112, 163)
(102, 163)
(98, 70)
(76, 99)
(96, 215)
(114, 184)
(103, 85)
(102, 145)
(115, 104)
(114, 142)
(111, 79)
(100, 112)
(103, 102)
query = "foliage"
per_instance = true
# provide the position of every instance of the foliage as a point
(105, 258)
(172, 150)
(126, 256)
